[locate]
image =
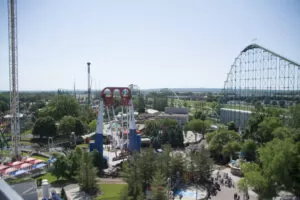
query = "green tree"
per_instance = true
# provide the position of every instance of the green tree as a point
(283, 132)
(232, 127)
(45, 126)
(279, 168)
(141, 103)
(93, 125)
(98, 161)
(295, 116)
(223, 143)
(177, 164)
(280, 161)
(158, 186)
(87, 173)
(230, 149)
(200, 115)
(165, 131)
(200, 165)
(3, 106)
(61, 167)
(67, 125)
(266, 128)
(86, 114)
(80, 127)
(62, 105)
(74, 161)
(249, 148)
(131, 174)
(198, 126)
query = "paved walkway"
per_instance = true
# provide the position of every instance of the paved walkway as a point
(227, 193)
(73, 192)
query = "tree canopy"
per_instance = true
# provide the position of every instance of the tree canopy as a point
(279, 168)
(165, 131)
(45, 126)
(148, 168)
(69, 124)
(86, 173)
(60, 106)
(223, 144)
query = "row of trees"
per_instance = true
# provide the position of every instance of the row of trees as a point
(150, 170)
(270, 144)
(4, 102)
(70, 116)
(273, 141)
(164, 131)
(46, 127)
(197, 126)
(81, 166)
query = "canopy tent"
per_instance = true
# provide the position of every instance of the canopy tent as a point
(14, 164)
(36, 161)
(9, 170)
(2, 167)
(24, 165)
(29, 159)
(19, 172)
(39, 166)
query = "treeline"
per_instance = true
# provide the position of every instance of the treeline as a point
(164, 131)
(270, 145)
(152, 171)
(62, 116)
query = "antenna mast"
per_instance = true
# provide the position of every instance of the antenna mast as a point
(89, 84)
(13, 76)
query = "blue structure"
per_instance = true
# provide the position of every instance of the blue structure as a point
(138, 143)
(133, 138)
(99, 130)
(92, 145)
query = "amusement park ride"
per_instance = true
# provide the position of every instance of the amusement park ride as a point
(3, 138)
(125, 136)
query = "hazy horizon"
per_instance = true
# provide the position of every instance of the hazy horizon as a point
(153, 44)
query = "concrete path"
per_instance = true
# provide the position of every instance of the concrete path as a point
(227, 193)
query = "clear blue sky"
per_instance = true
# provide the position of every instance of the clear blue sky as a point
(154, 44)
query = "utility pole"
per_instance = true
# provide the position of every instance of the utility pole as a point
(13, 76)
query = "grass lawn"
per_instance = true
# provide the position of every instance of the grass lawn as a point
(41, 158)
(47, 176)
(83, 146)
(111, 191)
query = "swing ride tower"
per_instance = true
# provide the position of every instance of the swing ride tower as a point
(108, 102)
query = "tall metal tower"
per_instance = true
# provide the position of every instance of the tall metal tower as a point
(13, 76)
(89, 83)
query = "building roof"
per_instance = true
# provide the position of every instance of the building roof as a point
(3, 167)
(28, 159)
(9, 170)
(24, 165)
(13, 164)
(28, 190)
